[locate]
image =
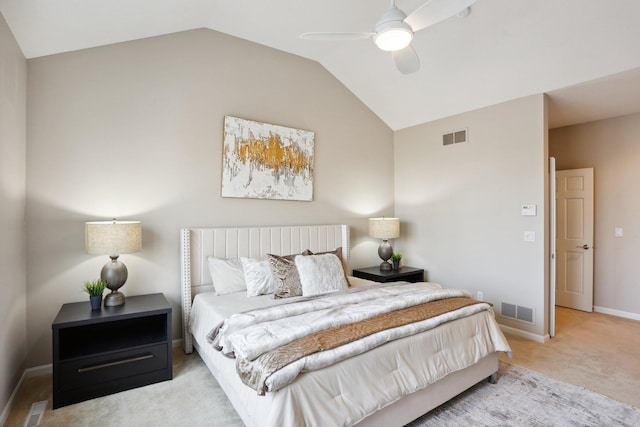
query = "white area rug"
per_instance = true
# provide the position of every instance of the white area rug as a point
(526, 398)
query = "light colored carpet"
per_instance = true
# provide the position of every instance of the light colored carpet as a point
(596, 351)
(193, 398)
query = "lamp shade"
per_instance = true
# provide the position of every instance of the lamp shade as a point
(384, 228)
(113, 237)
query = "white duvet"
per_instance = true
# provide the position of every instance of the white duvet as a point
(349, 391)
(250, 334)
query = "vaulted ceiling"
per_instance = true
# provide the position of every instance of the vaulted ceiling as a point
(584, 53)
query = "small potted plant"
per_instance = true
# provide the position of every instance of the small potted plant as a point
(95, 290)
(396, 261)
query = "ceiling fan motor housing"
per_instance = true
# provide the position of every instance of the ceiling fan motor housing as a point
(392, 33)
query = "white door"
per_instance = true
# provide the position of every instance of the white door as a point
(574, 243)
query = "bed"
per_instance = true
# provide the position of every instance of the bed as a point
(375, 388)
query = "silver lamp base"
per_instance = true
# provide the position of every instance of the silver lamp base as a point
(385, 266)
(115, 274)
(114, 299)
(384, 252)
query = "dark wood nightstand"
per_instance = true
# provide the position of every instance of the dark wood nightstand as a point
(405, 274)
(105, 351)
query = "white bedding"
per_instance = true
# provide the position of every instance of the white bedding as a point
(347, 392)
(210, 309)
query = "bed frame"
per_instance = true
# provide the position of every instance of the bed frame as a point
(255, 242)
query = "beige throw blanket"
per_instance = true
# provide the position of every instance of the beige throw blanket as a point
(273, 345)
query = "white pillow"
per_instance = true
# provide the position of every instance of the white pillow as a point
(227, 275)
(320, 274)
(257, 277)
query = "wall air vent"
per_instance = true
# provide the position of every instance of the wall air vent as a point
(454, 137)
(517, 312)
(508, 310)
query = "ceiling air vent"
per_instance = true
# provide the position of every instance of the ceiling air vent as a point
(454, 137)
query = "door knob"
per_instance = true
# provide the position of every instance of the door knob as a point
(585, 247)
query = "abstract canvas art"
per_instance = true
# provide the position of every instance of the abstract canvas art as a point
(265, 161)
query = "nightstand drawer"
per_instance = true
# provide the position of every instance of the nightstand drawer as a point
(113, 366)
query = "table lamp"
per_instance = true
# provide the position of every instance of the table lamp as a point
(113, 238)
(385, 229)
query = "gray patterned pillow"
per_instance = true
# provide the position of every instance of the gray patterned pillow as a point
(285, 275)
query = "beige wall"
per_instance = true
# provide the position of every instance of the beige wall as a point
(612, 148)
(134, 131)
(13, 291)
(460, 205)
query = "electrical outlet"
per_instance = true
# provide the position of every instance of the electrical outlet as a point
(479, 295)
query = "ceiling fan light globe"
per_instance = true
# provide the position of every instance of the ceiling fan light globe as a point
(393, 39)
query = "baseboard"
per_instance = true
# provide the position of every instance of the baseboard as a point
(618, 313)
(176, 343)
(524, 334)
(38, 370)
(12, 398)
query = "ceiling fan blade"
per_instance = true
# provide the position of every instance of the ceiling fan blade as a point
(434, 11)
(406, 60)
(335, 36)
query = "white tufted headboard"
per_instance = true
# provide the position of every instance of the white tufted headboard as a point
(196, 244)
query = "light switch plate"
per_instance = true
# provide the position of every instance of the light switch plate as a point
(529, 236)
(618, 232)
(529, 210)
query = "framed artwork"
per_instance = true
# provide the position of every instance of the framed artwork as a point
(265, 161)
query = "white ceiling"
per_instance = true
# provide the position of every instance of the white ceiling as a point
(505, 49)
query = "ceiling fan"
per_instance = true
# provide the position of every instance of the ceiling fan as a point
(394, 30)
